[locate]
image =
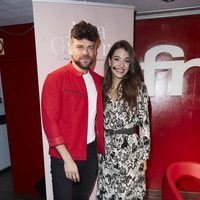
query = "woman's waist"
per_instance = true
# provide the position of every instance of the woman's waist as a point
(126, 131)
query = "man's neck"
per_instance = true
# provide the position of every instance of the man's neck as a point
(84, 71)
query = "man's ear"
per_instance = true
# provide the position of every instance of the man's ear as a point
(97, 46)
(70, 48)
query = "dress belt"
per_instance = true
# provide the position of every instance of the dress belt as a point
(128, 131)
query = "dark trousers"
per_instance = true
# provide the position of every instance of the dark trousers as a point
(65, 189)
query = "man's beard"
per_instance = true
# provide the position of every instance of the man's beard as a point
(85, 67)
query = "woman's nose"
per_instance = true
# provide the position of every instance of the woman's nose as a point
(121, 64)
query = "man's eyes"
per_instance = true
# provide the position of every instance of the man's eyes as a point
(82, 48)
(91, 47)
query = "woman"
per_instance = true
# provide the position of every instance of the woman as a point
(126, 123)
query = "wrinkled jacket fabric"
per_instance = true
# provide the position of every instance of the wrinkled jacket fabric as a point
(65, 111)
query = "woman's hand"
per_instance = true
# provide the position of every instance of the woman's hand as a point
(145, 165)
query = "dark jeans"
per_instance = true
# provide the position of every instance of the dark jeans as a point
(65, 189)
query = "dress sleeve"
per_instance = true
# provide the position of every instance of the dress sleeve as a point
(143, 121)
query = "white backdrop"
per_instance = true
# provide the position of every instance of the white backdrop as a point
(53, 20)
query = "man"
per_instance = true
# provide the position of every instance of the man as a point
(72, 117)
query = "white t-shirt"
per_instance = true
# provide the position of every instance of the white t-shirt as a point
(92, 102)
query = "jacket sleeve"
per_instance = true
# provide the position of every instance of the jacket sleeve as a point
(51, 110)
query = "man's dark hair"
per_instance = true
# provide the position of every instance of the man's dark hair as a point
(84, 30)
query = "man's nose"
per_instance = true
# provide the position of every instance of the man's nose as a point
(85, 51)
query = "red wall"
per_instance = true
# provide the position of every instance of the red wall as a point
(20, 87)
(175, 119)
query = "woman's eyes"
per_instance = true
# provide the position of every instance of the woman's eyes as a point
(127, 61)
(118, 59)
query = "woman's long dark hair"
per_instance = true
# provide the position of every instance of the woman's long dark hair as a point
(131, 81)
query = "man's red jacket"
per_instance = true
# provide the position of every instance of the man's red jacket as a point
(65, 111)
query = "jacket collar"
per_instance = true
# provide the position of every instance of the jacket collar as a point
(75, 71)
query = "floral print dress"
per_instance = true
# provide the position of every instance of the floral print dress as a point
(121, 175)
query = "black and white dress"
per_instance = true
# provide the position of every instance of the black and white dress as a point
(121, 175)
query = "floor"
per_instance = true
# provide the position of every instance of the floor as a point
(6, 188)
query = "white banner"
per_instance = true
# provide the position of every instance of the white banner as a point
(53, 20)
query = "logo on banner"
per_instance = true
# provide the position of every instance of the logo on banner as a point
(176, 65)
(2, 52)
(60, 46)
